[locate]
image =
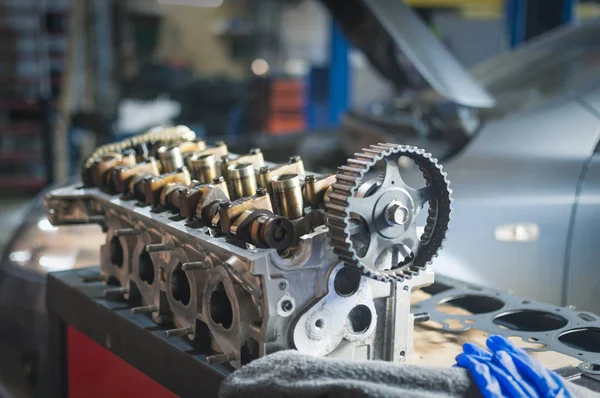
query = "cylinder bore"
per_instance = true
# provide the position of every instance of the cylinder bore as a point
(116, 252)
(470, 304)
(288, 195)
(180, 286)
(584, 339)
(221, 311)
(530, 320)
(146, 267)
(243, 179)
(205, 168)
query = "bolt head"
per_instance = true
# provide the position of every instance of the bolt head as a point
(309, 178)
(396, 213)
(225, 204)
(261, 192)
(254, 151)
(218, 179)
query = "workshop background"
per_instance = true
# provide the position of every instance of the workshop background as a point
(76, 74)
(283, 76)
(279, 75)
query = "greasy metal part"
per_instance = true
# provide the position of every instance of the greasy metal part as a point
(204, 168)
(196, 145)
(230, 211)
(145, 309)
(126, 232)
(170, 158)
(100, 170)
(218, 150)
(264, 229)
(114, 292)
(193, 200)
(123, 175)
(196, 265)
(162, 134)
(181, 332)
(246, 280)
(170, 195)
(219, 182)
(255, 157)
(243, 179)
(315, 188)
(266, 174)
(220, 358)
(152, 186)
(158, 247)
(288, 195)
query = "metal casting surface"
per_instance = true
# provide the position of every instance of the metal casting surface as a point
(245, 260)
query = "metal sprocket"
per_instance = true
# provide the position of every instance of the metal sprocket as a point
(347, 212)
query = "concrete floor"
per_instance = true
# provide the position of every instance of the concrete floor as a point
(12, 211)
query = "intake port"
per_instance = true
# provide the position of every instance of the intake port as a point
(146, 268)
(221, 311)
(180, 286)
(116, 252)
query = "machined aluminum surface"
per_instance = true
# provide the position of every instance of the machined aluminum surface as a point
(249, 274)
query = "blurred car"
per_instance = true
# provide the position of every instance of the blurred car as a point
(519, 137)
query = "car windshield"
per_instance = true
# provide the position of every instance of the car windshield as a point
(565, 61)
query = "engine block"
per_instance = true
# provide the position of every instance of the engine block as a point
(252, 257)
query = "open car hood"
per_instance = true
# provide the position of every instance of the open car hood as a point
(389, 33)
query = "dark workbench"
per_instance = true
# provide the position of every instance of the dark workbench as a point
(175, 362)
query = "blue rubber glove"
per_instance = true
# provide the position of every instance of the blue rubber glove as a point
(508, 371)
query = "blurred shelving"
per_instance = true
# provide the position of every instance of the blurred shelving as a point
(33, 45)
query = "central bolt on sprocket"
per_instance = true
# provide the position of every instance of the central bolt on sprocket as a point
(372, 224)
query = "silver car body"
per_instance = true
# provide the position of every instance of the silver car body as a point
(530, 168)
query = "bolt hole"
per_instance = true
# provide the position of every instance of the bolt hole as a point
(525, 301)
(359, 319)
(287, 306)
(320, 323)
(346, 282)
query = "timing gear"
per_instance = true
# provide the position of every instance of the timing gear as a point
(372, 223)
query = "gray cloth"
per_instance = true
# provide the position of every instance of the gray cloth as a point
(289, 374)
